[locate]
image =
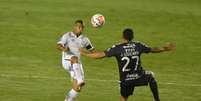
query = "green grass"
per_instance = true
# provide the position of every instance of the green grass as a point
(30, 66)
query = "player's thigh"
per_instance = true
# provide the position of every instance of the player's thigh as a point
(67, 65)
(126, 89)
(79, 74)
(67, 60)
(149, 75)
(144, 79)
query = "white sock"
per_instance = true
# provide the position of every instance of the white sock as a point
(71, 95)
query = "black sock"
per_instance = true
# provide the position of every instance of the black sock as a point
(154, 89)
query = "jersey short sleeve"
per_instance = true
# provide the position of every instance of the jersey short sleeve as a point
(144, 48)
(111, 51)
(63, 39)
(87, 44)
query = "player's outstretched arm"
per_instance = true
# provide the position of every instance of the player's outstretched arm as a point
(167, 47)
(96, 54)
(62, 48)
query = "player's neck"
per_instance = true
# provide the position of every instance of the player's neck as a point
(125, 41)
(76, 34)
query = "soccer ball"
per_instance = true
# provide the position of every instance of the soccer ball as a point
(97, 20)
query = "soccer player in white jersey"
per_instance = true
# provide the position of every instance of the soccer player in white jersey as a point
(69, 44)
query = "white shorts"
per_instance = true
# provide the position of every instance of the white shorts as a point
(75, 73)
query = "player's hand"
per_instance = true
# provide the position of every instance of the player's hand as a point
(169, 46)
(62, 48)
(66, 49)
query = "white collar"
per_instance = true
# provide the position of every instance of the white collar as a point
(74, 35)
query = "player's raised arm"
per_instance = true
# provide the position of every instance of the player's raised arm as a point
(95, 54)
(101, 54)
(167, 47)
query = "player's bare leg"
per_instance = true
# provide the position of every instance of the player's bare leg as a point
(123, 98)
(76, 84)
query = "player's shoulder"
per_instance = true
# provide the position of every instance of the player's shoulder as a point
(117, 45)
(84, 37)
(67, 34)
(114, 47)
(139, 43)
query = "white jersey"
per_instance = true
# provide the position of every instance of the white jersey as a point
(74, 43)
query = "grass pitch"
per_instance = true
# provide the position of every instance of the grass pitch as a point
(30, 65)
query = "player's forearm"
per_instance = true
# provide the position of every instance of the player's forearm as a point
(62, 48)
(92, 51)
(168, 47)
(158, 49)
(161, 49)
(96, 55)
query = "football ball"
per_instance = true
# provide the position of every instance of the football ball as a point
(97, 20)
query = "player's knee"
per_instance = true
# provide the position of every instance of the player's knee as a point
(152, 79)
(78, 88)
(151, 76)
(74, 59)
(123, 98)
(82, 84)
(150, 73)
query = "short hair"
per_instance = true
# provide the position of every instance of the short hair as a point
(128, 34)
(79, 21)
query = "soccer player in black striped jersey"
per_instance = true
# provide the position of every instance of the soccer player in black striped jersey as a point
(131, 72)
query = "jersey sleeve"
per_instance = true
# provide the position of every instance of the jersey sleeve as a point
(111, 51)
(63, 40)
(144, 48)
(87, 44)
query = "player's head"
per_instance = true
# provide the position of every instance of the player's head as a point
(78, 27)
(128, 34)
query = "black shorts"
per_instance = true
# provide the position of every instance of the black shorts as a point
(127, 87)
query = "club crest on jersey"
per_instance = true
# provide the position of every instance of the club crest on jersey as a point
(72, 40)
